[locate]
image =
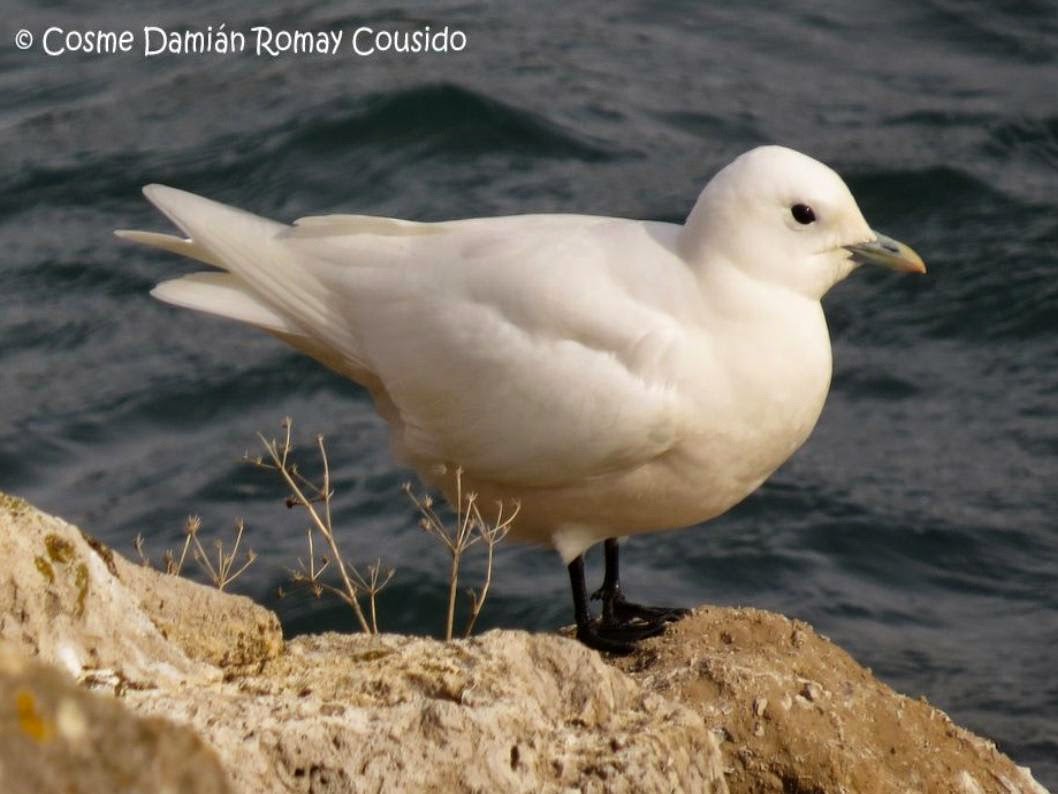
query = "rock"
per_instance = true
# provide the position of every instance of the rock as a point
(206, 624)
(798, 714)
(59, 738)
(727, 700)
(507, 711)
(60, 601)
(69, 599)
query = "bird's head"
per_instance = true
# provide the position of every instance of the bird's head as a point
(779, 216)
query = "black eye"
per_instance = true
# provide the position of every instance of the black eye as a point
(802, 213)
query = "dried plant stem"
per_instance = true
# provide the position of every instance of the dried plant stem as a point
(491, 535)
(223, 573)
(138, 544)
(469, 528)
(376, 581)
(349, 592)
(453, 582)
(462, 540)
(191, 527)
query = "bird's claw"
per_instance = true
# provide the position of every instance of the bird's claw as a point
(626, 611)
(619, 639)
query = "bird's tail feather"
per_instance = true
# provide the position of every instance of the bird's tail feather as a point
(261, 279)
(171, 243)
(266, 283)
(224, 295)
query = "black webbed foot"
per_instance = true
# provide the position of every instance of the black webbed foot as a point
(625, 611)
(622, 623)
(616, 639)
(616, 609)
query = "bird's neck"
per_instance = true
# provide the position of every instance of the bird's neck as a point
(766, 332)
(734, 295)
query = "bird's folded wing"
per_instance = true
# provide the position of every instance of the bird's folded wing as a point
(513, 347)
(477, 391)
(515, 353)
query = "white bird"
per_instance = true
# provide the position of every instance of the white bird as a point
(613, 376)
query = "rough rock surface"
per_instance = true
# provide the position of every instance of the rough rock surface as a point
(206, 624)
(506, 711)
(71, 600)
(57, 737)
(796, 714)
(58, 600)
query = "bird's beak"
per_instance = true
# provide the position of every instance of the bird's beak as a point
(887, 252)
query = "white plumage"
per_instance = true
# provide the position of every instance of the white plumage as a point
(615, 376)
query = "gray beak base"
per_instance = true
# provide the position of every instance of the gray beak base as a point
(887, 252)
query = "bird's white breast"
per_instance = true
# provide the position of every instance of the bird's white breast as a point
(753, 384)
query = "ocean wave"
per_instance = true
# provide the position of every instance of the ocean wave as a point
(397, 128)
(1035, 139)
(449, 118)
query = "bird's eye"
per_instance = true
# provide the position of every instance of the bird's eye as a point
(803, 214)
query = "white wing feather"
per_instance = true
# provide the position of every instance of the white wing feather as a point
(224, 295)
(495, 353)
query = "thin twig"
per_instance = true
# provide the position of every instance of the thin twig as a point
(138, 544)
(221, 575)
(469, 528)
(191, 527)
(491, 535)
(377, 579)
(298, 485)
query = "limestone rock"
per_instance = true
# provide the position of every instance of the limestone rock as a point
(727, 700)
(507, 711)
(206, 624)
(59, 600)
(797, 714)
(70, 599)
(59, 738)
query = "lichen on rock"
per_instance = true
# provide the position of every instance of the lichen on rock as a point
(727, 700)
(58, 737)
(60, 599)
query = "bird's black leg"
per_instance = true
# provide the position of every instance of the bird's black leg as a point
(612, 638)
(616, 611)
(610, 592)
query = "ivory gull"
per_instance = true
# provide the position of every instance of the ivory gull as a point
(614, 376)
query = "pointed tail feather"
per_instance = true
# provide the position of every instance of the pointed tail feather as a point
(266, 284)
(171, 243)
(214, 229)
(243, 244)
(222, 294)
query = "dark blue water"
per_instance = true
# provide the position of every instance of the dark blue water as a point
(918, 526)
